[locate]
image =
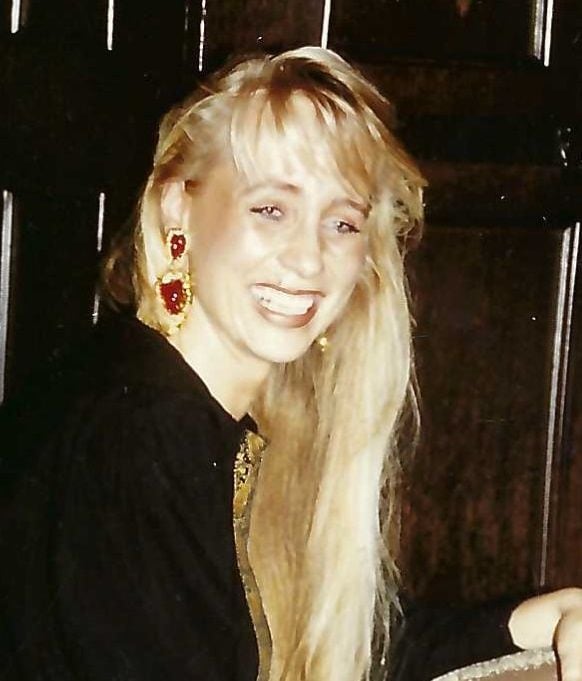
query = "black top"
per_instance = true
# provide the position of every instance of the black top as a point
(117, 555)
(430, 640)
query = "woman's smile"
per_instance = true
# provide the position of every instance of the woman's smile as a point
(296, 308)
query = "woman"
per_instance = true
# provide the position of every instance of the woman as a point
(267, 275)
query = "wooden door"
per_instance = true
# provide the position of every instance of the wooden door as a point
(489, 99)
(488, 94)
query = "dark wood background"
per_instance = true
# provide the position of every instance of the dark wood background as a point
(489, 99)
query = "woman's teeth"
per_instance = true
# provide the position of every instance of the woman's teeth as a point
(283, 303)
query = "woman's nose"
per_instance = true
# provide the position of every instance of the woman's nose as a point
(302, 252)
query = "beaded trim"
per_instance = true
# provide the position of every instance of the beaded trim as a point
(246, 470)
(246, 465)
(540, 665)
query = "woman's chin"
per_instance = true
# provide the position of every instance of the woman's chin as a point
(283, 352)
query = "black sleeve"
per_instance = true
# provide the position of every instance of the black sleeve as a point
(431, 640)
(121, 561)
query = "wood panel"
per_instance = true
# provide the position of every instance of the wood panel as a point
(565, 560)
(566, 565)
(88, 83)
(54, 309)
(5, 17)
(65, 21)
(442, 88)
(566, 44)
(442, 29)
(6, 239)
(486, 300)
(153, 45)
(531, 140)
(523, 196)
(251, 26)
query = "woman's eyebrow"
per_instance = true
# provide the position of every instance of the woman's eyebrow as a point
(273, 184)
(363, 208)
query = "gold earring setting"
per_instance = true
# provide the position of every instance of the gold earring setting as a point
(175, 286)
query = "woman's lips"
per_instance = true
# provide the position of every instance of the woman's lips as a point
(291, 309)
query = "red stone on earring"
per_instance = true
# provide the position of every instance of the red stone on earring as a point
(175, 295)
(177, 245)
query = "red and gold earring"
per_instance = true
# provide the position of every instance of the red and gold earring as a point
(175, 287)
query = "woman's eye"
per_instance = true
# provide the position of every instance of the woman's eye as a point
(269, 212)
(343, 227)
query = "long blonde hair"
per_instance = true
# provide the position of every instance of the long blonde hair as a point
(322, 539)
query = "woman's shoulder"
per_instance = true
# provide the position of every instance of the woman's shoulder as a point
(125, 392)
(124, 355)
(122, 363)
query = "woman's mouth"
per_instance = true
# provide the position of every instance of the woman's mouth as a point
(298, 306)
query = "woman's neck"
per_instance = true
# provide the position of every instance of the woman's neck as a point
(232, 377)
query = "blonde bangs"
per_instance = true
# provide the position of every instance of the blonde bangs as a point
(299, 129)
(278, 130)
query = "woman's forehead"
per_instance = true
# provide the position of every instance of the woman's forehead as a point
(297, 143)
(296, 178)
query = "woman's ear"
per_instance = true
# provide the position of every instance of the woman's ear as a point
(175, 205)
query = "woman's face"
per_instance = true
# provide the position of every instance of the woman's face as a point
(274, 260)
